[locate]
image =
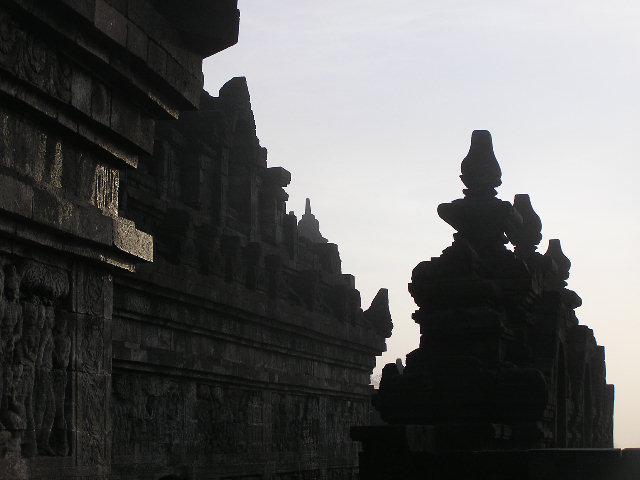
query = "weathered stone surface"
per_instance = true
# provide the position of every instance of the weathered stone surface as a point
(242, 350)
(80, 92)
(243, 340)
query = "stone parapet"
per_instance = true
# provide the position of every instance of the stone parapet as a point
(412, 452)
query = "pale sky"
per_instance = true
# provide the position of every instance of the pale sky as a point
(370, 105)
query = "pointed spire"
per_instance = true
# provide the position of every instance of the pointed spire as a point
(480, 169)
(309, 227)
(236, 91)
(378, 313)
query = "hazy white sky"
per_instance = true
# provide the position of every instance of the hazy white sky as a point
(371, 103)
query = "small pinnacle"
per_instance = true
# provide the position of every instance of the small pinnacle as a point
(309, 226)
(554, 251)
(480, 169)
(481, 139)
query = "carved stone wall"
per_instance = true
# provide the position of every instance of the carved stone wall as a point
(243, 350)
(82, 83)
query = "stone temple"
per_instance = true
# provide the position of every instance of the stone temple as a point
(163, 317)
(506, 383)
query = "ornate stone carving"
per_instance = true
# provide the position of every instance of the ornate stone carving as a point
(500, 342)
(309, 226)
(526, 238)
(35, 356)
(32, 60)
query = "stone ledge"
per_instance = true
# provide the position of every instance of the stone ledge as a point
(86, 224)
(391, 452)
(251, 305)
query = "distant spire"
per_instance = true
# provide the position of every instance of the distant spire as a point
(309, 227)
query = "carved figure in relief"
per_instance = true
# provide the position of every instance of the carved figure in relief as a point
(3, 337)
(61, 356)
(34, 315)
(10, 334)
(43, 389)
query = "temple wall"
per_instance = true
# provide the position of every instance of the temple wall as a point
(242, 351)
(82, 84)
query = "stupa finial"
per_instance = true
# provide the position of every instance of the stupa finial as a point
(528, 235)
(481, 172)
(555, 253)
(309, 227)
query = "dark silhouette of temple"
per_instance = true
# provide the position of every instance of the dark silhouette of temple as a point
(243, 340)
(505, 383)
(161, 315)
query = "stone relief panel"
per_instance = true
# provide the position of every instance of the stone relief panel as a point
(189, 421)
(35, 352)
(32, 60)
(55, 164)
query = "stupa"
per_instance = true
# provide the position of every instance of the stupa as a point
(505, 377)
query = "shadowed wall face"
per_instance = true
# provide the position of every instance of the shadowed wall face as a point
(242, 349)
(82, 84)
(244, 343)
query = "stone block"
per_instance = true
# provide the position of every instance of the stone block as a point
(126, 120)
(54, 212)
(157, 58)
(86, 8)
(110, 22)
(100, 103)
(15, 196)
(92, 450)
(93, 290)
(67, 120)
(92, 403)
(95, 226)
(81, 91)
(131, 240)
(92, 354)
(137, 41)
